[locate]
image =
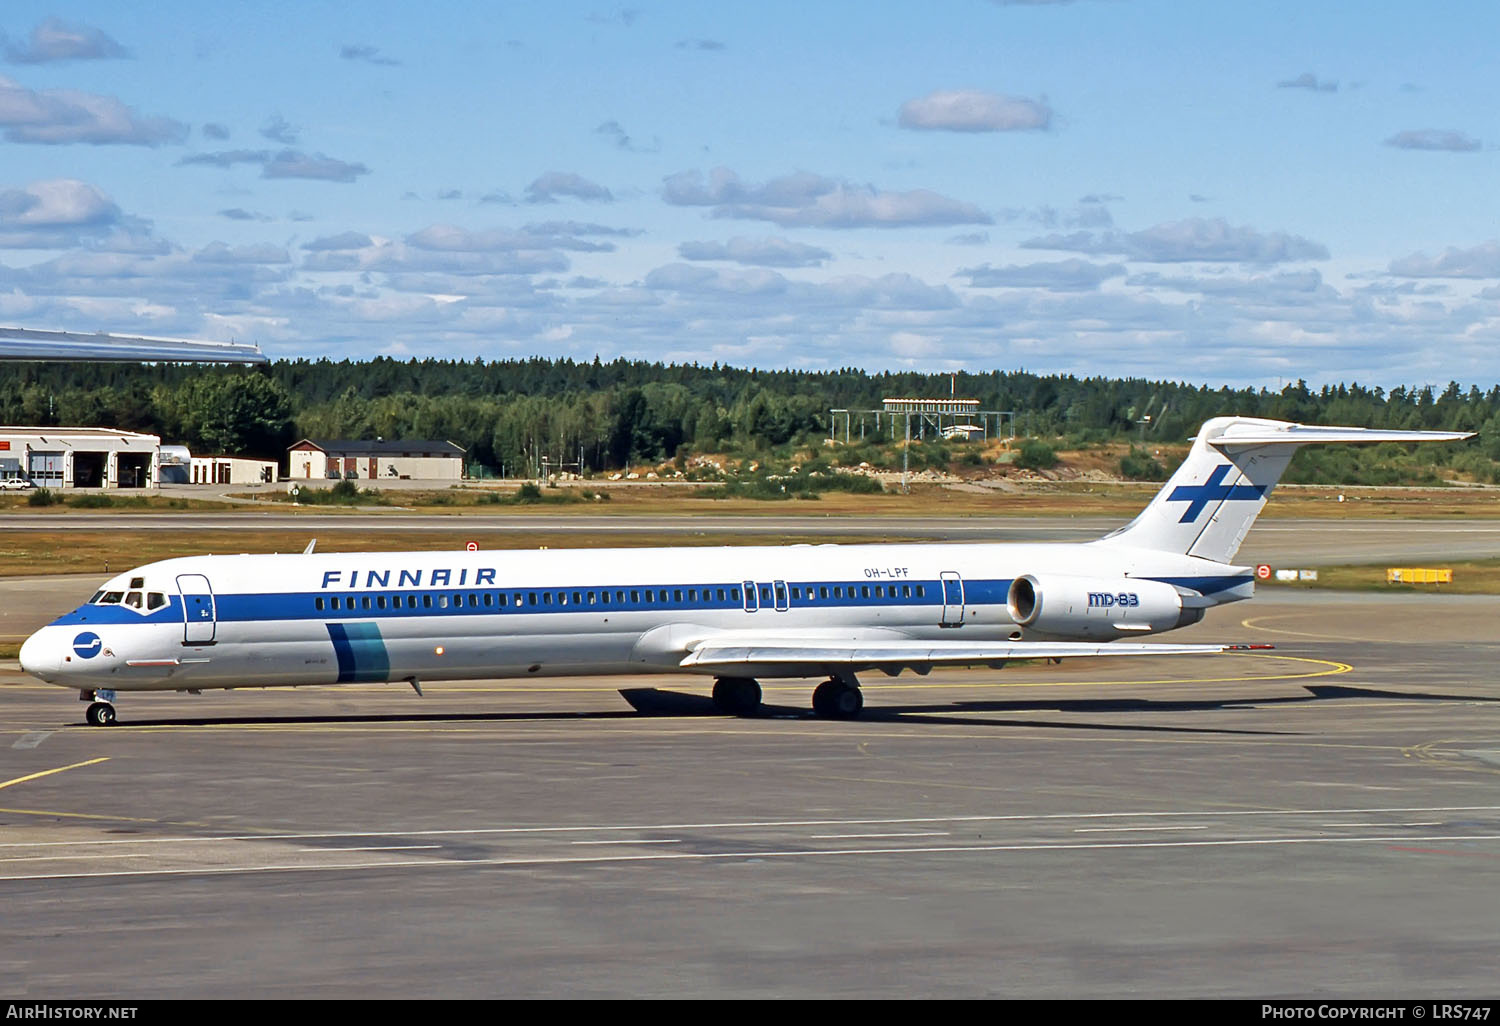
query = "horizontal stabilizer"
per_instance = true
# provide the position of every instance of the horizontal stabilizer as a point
(1256, 432)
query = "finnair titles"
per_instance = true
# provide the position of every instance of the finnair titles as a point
(738, 615)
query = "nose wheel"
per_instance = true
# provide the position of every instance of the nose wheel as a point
(100, 714)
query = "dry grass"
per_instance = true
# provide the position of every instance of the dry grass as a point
(1033, 498)
(1470, 577)
(37, 552)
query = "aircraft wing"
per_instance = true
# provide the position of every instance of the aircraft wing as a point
(812, 655)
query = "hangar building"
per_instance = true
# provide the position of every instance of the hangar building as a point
(231, 470)
(79, 457)
(422, 459)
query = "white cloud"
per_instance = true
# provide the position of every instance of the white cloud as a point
(58, 116)
(1481, 261)
(1307, 80)
(548, 187)
(58, 40)
(764, 252)
(973, 110)
(295, 164)
(1434, 139)
(810, 200)
(1192, 239)
(1063, 275)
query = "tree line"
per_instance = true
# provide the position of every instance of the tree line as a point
(608, 415)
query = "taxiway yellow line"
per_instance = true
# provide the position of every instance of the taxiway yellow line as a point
(48, 773)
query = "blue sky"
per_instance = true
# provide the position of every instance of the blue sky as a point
(1230, 194)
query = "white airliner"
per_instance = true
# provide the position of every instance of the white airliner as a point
(734, 614)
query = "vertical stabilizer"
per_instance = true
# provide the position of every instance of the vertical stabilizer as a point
(1210, 503)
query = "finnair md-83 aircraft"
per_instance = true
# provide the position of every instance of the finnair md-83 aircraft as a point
(734, 614)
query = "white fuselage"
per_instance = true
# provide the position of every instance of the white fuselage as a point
(272, 620)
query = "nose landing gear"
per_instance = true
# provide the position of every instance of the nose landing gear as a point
(101, 711)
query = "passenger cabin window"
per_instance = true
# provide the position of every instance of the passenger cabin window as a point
(317, 602)
(380, 601)
(334, 601)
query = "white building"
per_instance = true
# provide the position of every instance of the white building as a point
(79, 457)
(232, 470)
(421, 460)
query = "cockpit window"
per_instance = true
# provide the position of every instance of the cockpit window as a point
(111, 598)
(137, 582)
(97, 596)
(134, 600)
(155, 600)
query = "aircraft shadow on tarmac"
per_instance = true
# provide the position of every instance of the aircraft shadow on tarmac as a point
(658, 702)
(987, 713)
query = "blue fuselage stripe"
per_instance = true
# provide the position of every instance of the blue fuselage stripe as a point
(536, 600)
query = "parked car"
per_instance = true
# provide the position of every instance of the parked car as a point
(14, 484)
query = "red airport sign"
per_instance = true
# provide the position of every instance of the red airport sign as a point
(472, 546)
(1263, 571)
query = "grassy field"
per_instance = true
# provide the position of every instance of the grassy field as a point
(1470, 577)
(1029, 499)
(101, 552)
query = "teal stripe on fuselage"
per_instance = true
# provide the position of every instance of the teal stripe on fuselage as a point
(361, 653)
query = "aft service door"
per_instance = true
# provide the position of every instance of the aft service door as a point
(953, 599)
(199, 616)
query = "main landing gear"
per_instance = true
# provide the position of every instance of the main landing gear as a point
(837, 699)
(101, 711)
(737, 696)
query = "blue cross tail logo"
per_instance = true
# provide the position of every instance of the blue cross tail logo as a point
(1213, 490)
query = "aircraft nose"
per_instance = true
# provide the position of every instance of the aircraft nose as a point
(40, 656)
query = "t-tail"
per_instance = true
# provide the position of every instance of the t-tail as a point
(1209, 505)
